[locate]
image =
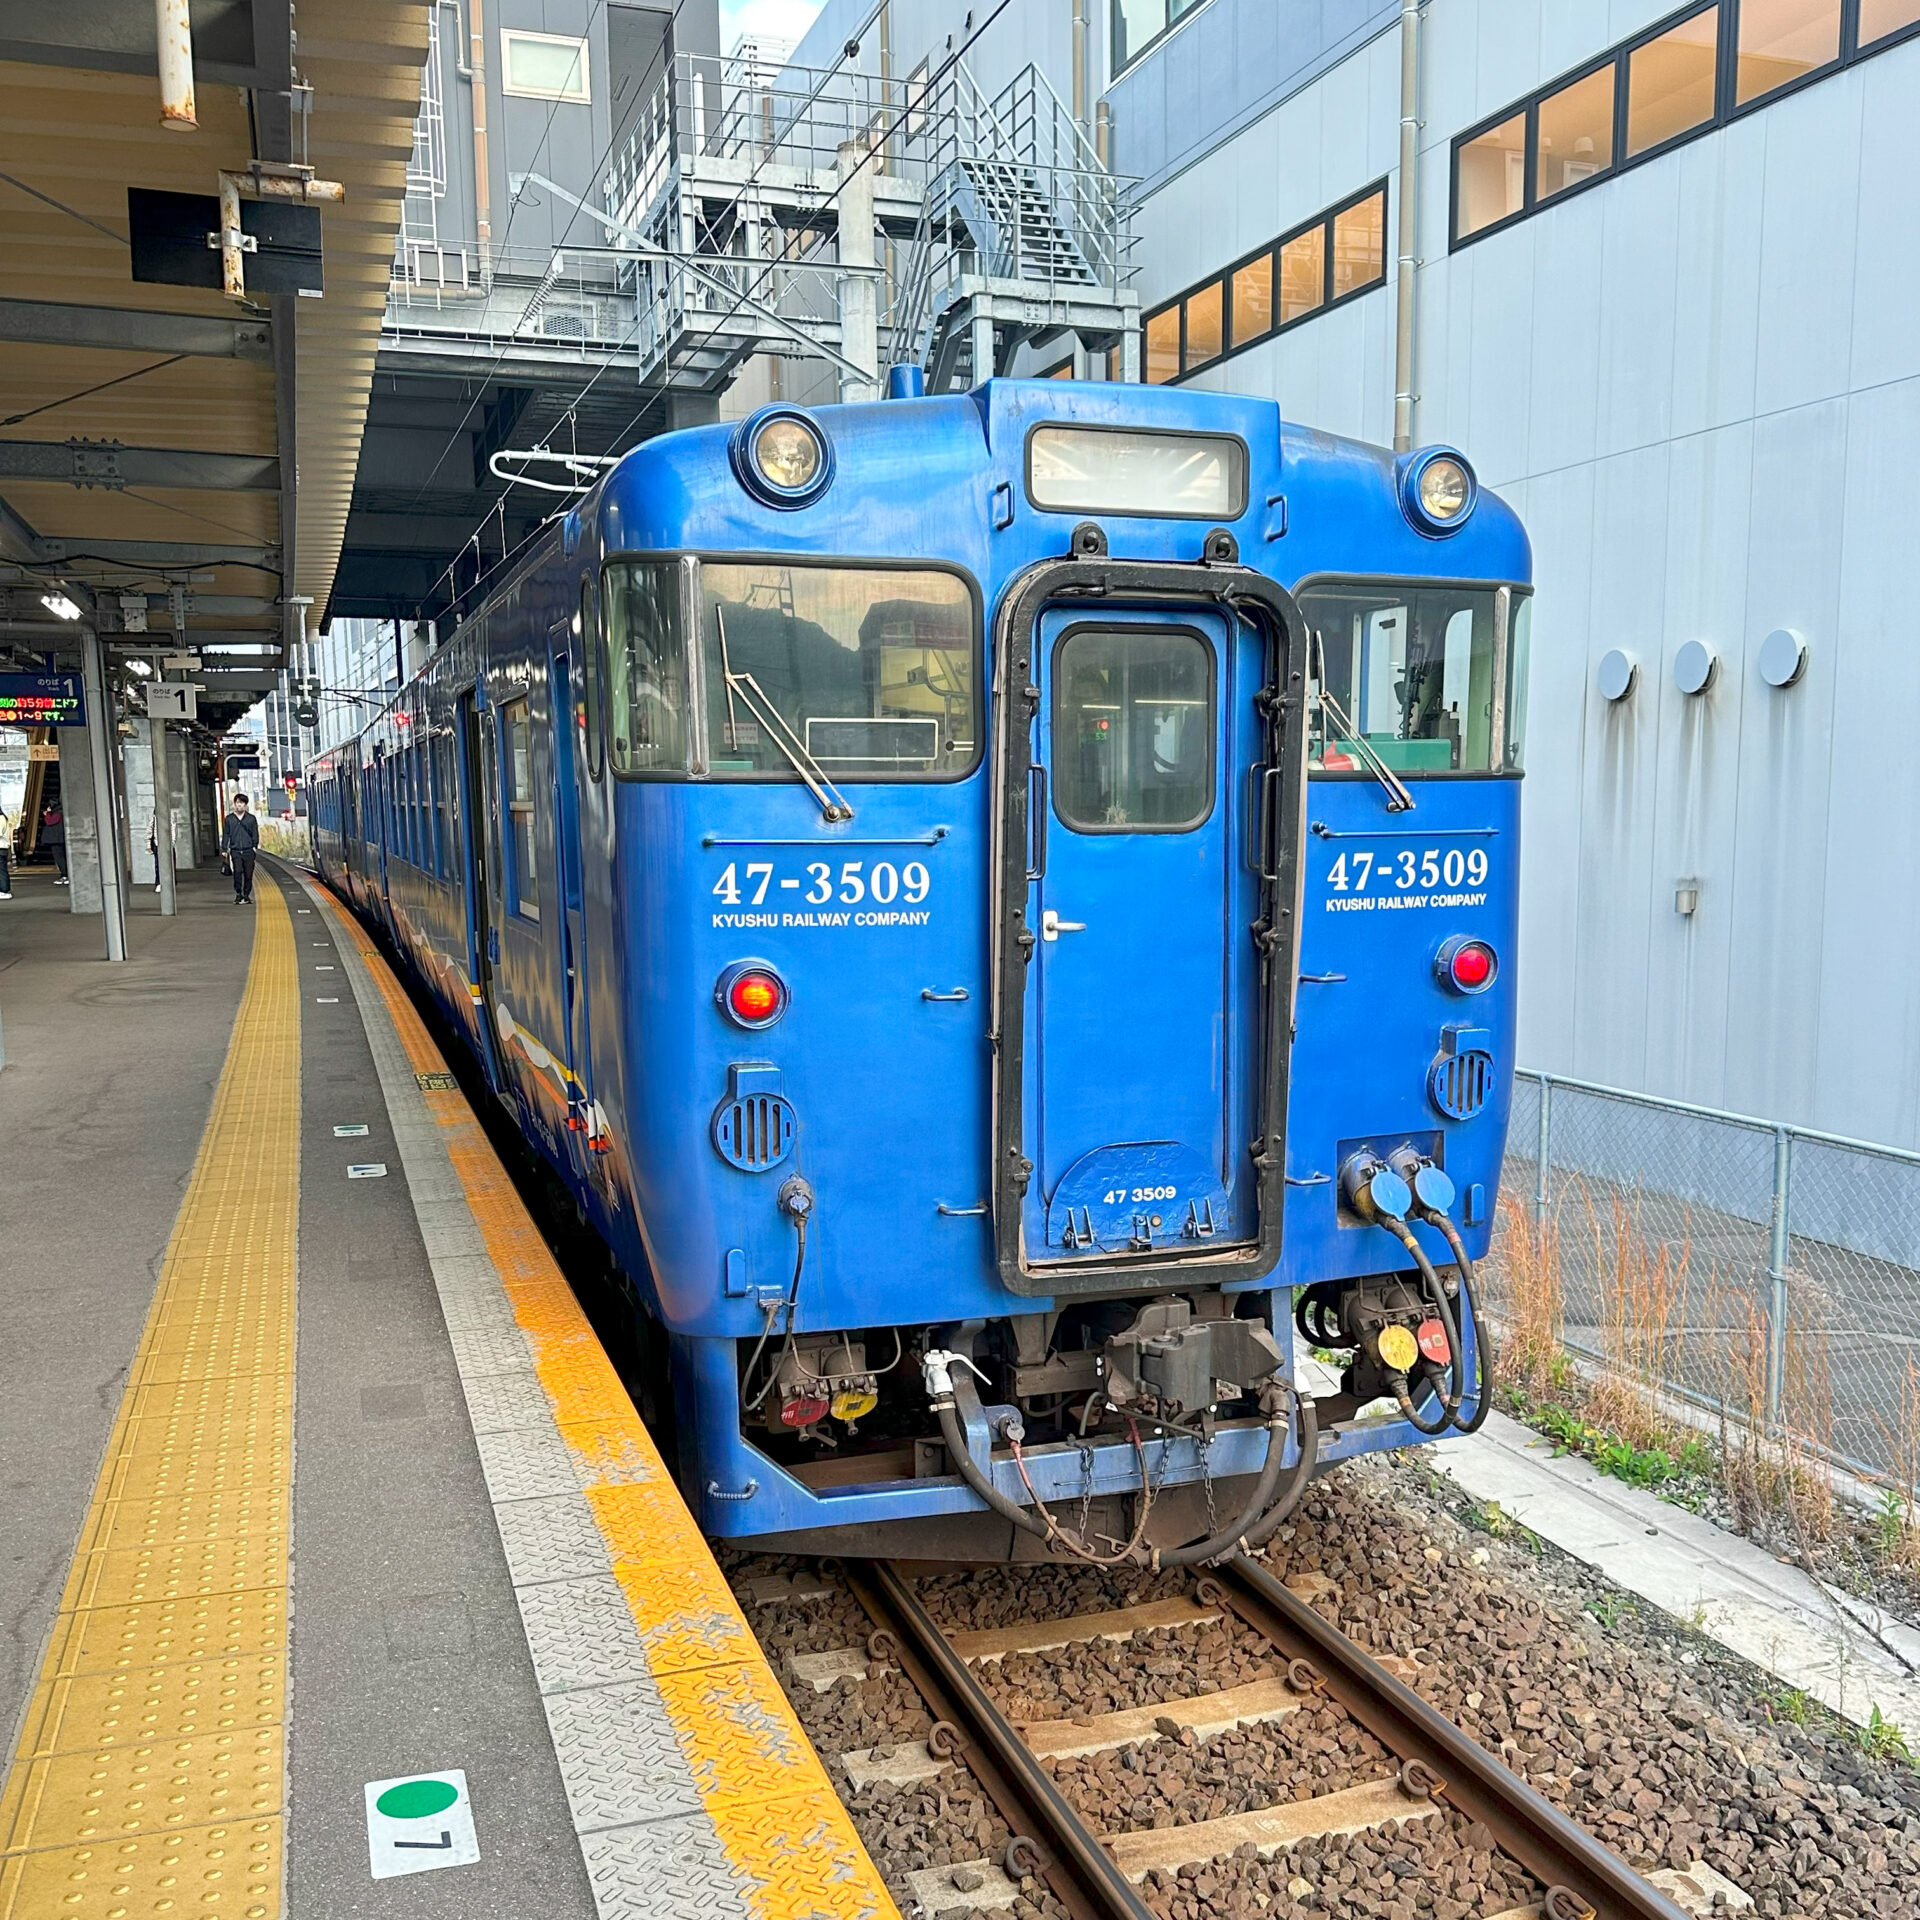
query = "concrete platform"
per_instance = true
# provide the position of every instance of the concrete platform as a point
(317, 1481)
(1846, 1654)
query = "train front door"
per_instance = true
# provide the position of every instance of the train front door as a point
(1138, 1058)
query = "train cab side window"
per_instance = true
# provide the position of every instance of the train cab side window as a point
(646, 662)
(1133, 730)
(517, 732)
(590, 672)
(869, 671)
(1433, 676)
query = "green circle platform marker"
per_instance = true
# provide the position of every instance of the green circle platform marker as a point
(417, 1799)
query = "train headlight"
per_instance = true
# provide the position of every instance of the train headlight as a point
(751, 994)
(1466, 966)
(1438, 490)
(781, 456)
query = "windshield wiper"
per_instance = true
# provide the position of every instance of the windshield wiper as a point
(1399, 800)
(833, 805)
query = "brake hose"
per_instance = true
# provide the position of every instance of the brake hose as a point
(1470, 1286)
(1255, 1527)
(1256, 1522)
(798, 1208)
(1450, 1403)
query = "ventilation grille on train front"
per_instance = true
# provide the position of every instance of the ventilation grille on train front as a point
(753, 1131)
(1459, 1084)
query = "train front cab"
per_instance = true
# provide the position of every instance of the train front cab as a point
(1162, 1169)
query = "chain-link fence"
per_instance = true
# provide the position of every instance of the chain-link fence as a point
(1766, 1271)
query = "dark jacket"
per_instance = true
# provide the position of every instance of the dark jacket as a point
(53, 828)
(241, 834)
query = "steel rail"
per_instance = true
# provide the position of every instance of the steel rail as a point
(1066, 1853)
(1584, 1880)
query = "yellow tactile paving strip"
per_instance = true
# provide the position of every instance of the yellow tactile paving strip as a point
(149, 1781)
(788, 1839)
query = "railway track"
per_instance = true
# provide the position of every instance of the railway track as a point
(1097, 1876)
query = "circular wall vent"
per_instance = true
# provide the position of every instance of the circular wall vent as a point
(1694, 667)
(1783, 657)
(1617, 674)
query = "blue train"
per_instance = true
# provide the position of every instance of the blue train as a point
(1001, 909)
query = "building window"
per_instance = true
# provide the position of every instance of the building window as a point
(1206, 327)
(1303, 273)
(1670, 83)
(1359, 246)
(1336, 256)
(1490, 177)
(1667, 84)
(1253, 298)
(1136, 24)
(525, 885)
(1880, 18)
(544, 66)
(1782, 41)
(1163, 345)
(1574, 139)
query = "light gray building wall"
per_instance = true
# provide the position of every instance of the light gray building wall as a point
(1699, 383)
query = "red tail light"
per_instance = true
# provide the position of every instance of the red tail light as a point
(1466, 966)
(751, 994)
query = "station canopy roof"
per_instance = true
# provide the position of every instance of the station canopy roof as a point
(161, 439)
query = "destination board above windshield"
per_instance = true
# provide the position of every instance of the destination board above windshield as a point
(1180, 476)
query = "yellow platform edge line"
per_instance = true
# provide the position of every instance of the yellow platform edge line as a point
(774, 1808)
(149, 1772)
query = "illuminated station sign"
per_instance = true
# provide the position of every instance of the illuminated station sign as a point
(41, 700)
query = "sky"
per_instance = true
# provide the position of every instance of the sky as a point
(776, 19)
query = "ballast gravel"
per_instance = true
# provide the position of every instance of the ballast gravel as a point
(1666, 1747)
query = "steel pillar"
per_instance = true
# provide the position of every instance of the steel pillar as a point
(100, 744)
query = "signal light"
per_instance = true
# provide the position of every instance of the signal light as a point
(802, 1409)
(751, 994)
(1466, 966)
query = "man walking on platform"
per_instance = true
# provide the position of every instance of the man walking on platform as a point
(240, 841)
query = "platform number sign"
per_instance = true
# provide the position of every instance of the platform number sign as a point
(418, 1822)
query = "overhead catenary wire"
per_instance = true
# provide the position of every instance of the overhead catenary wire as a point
(875, 146)
(513, 208)
(447, 573)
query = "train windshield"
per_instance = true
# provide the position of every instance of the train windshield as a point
(1433, 677)
(872, 670)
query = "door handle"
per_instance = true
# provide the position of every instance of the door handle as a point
(1052, 926)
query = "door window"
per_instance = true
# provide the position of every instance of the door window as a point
(1133, 728)
(526, 888)
(589, 631)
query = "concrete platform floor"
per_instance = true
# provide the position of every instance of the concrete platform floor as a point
(241, 1190)
(110, 1075)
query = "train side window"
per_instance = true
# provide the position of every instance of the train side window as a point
(1133, 729)
(1414, 669)
(646, 660)
(517, 731)
(590, 668)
